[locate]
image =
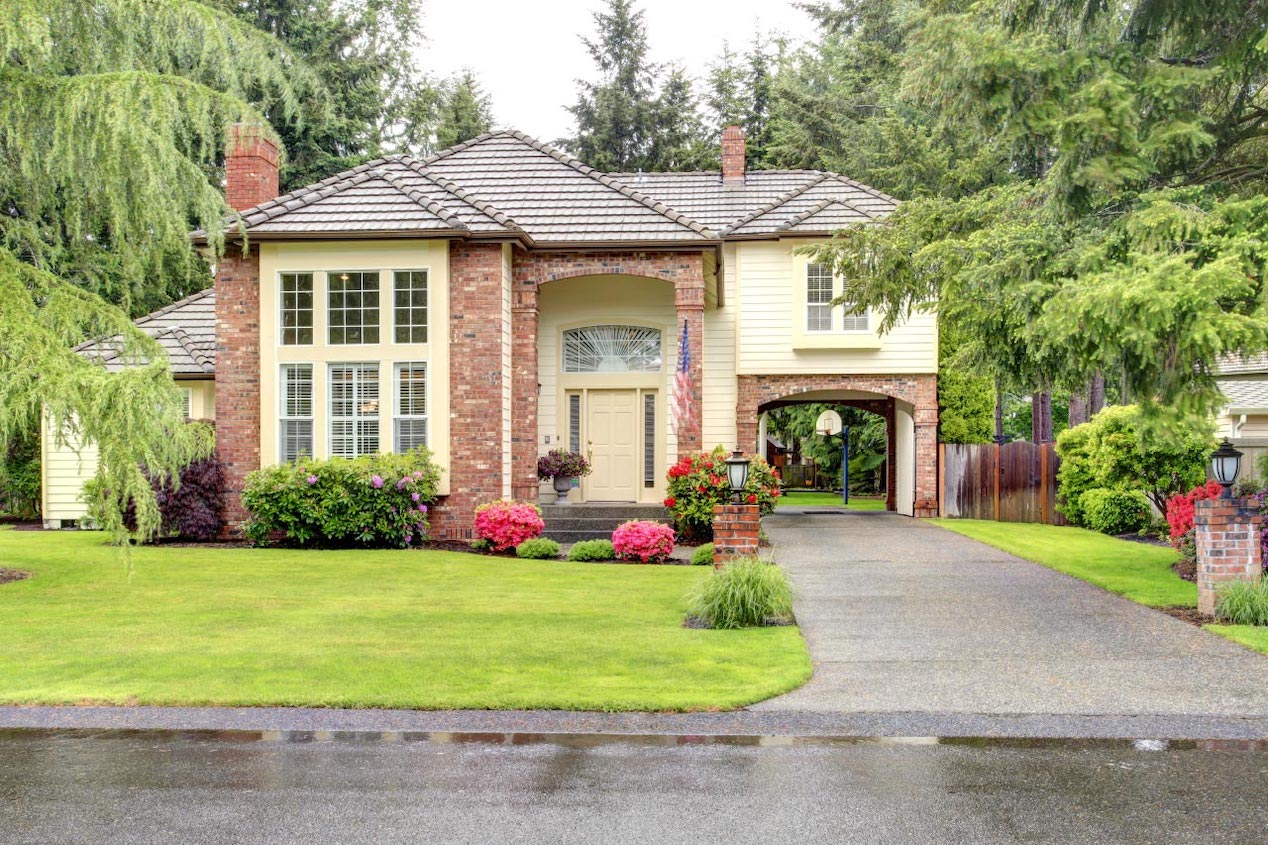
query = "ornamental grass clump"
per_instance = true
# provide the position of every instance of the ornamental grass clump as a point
(376, 501)
(505, 523)
(746, 593)
(1243, 602)
(538, 548)
(646, 542)
(592, 550)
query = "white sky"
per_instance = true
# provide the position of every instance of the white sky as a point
(528, 54)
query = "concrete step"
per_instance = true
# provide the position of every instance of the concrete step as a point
(607, 524)
(576, 536)
(619, 512)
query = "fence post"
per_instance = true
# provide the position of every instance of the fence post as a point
(997, 470)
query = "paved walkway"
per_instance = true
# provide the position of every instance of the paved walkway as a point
(903, 616)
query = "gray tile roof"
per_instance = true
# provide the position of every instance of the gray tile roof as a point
(1235, 364)
(507, 184)
(186, 330)
(1245, 392)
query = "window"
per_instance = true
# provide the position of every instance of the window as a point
(410, 306)
(818, 298)
(354, 409)
(188, 395)
(574, 422)
(820, 312)
(649, 440)
(612, 349)
(411, 407)
(295, 427)
(353, 306)
(297, 309)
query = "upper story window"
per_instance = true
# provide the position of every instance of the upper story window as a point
(410, 306)
(297, 309)
(821, 315)
(612, 349)
(353, 307)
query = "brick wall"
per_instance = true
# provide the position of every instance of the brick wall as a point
(920, 391)
(733, 154)
(1227, 535)
(475, 386)
(736, 530)
(237, 373)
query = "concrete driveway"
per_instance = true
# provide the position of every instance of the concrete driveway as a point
(902, 617)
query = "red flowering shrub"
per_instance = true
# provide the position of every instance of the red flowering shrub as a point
(699, 481)
(647, 542)
(1180, 509)
(506, 524)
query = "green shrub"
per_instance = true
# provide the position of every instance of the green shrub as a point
(703, 556)
(746, 593)
(538, 548)
(699, 481)
(590, 550)
(377, 501)
(1114, 511)
(1243, 602)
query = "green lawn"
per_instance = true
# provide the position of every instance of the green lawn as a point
(427, 630)
(1134, 571)
(857, 503)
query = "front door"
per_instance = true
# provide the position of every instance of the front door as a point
(612, 441)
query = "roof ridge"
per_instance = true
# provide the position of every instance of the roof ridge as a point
(820, 206)
(774, 204)
(180, 303)
(485, 208)
(306, 195)
(462, 145)
(867, 189)
(425, 202)
(194, 352)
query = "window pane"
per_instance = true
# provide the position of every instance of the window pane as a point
(649, 440)
(612, 349)
(410, 300)
(297, 308)
(574, 423)
(410, 428)
(354, 409)
(295, 427)
(352, 305)
(818, 297)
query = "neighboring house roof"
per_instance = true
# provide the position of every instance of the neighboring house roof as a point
(1245, 393)
(1237, 365)
(505, 183)
(186, 330)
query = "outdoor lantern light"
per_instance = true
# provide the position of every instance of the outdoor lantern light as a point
(1225, 463)
(737, 474)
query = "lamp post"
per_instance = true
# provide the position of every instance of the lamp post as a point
(737, 474)
(1226, 462)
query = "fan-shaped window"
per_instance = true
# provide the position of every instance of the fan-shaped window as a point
(612, 349)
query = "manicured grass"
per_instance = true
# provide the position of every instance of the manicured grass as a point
(1135, 571)
(428, 630)
(815, 499)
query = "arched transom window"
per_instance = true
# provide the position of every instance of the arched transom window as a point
(612, 349)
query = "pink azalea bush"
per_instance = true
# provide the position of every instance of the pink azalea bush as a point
(505, 523)
(647, 542)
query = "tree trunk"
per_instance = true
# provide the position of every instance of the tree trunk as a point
(1041, 416)
(1078, 409)
(1096, 395)
(999, 412)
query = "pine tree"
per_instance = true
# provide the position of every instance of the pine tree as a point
(728, 96)
(466, 111)
(679, 141)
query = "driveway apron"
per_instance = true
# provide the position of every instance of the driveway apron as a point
(904, 616)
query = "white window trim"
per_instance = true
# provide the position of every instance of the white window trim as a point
(356, 416)
(281, 308)
(836, 313)
(283, 417)
(428, 306)
(397, 416)
(334, 274)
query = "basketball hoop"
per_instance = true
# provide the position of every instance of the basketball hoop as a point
(828, 424)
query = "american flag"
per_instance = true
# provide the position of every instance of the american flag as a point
(686, 420)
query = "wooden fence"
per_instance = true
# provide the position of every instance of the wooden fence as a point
(1015, 482)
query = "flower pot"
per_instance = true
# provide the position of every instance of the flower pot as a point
(563, 485)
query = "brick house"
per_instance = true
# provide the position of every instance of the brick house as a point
(499, 299)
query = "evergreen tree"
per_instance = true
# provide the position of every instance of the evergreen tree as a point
(112, 119)
(679, 141)
(466, 111)
(757, 113)
(728, 97)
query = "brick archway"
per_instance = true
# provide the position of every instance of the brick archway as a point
(917, 392)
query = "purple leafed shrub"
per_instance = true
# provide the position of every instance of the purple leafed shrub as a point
(194, 509)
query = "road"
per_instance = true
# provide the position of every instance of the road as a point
(166, 787)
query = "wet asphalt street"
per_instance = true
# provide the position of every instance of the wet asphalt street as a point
(157, 787)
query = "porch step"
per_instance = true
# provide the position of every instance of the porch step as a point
(574, 523)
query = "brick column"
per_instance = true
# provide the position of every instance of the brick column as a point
(475, 387)
(926, 419)
(1227, 532)
(689, 301)
(735, 532)
(524, 397)
(237, 374)
(746, 416)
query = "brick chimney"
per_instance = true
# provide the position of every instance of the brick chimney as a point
(250, 166)
(733, 155)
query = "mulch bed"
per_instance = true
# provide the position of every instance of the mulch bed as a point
(1188, 614)
(7, 575)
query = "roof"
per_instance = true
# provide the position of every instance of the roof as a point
(505, 184)
(186, 330)
(1239, 364)
(1245, 392)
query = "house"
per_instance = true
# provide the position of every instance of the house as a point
(1244, 419)
(500, 299)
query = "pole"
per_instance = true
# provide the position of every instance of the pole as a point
(845, 464)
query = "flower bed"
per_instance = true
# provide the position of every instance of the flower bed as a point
(699, 481)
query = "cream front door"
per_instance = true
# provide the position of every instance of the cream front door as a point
(612, 435)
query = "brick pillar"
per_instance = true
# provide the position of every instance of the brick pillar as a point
(689, 301)
(733, 155)
(735, 532)
(524, 396)
(1227, 532)
(746, 416)
(237, 374)
(475, 387)
(926, 419)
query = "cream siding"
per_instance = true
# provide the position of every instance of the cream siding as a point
(719, 359)
(385, 257)
(771, 295)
